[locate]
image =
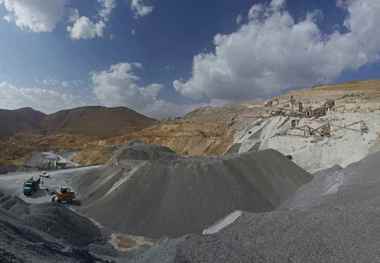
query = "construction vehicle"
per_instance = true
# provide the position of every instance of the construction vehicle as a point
(65, 195)
(31, 186)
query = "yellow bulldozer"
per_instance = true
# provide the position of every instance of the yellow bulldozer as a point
(66, 196)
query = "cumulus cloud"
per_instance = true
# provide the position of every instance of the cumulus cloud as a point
(34, 15)
(120, 86)
(272, 52)
(45, 99)
(140, 9)
(82, 27)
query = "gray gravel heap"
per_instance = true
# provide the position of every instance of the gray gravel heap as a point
(174, 196)
(137, 150)
(338, 221)
(44, 233)
(53, 219)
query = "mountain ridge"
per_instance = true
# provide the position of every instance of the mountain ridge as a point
(89, 121)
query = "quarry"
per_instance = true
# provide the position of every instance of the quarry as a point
(218, 131)
(291, 179)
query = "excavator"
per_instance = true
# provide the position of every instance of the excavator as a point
(65, 195)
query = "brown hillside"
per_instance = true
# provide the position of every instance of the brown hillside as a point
(95, 121)
(24, 120)
(370, 89)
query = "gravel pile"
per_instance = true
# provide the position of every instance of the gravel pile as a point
(337, 222)
(53, 219)
(137, 150)
(44, 233)
(171, 196)
(62, 223)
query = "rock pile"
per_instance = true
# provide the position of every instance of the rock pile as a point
(150, 191)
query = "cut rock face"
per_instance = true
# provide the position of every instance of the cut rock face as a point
(169, 195)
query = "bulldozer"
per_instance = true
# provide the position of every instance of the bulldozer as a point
(65, 195)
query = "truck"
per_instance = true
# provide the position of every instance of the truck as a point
(31, 186)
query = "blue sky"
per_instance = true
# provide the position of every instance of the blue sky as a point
(165, 58)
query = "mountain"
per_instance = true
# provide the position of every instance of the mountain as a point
(95, 121)
(25, 130)
(87, 121)
(23, 120)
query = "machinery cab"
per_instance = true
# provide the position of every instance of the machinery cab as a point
(31, 186)
(64, 195)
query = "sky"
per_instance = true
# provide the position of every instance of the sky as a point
(166, 57)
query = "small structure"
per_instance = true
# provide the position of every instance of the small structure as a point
(295, 123)
(278, 112)
(269, 103)
(330, 104)
(307, 131)
(47, 161)
(300, 106)
(50, 160)
(319, 112)
(309, 112)
(292, 102)
(326, 130)
(363, 127)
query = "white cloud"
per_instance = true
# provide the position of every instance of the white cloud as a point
(140, 9)
(107, 7)
(45, 99)
(82, 27)
(119, 86)
(239, 19)
(44, 15)
(273, 52)
(34, 15)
